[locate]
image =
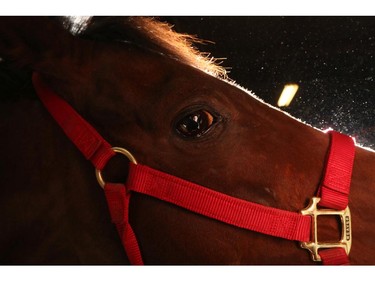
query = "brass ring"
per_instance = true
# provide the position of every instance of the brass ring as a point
(120, 150)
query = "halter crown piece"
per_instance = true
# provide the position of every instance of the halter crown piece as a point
(332, 195)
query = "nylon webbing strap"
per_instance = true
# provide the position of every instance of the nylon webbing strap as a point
(334, 256)
(81, 133)
(335, 187)
(98, 151)
(219, 206)
(118, 202)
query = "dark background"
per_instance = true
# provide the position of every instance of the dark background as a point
(330, 58)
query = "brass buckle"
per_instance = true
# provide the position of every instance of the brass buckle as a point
(346, 232)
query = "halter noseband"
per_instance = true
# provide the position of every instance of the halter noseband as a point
(332, 195)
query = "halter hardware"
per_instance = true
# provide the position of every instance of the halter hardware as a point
(346, 231)
(119, 150)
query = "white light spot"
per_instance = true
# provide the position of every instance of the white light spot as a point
(287, 94)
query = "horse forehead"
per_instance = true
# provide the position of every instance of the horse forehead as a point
(154, 77)
(161, 79)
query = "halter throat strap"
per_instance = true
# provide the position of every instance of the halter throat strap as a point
(334, 190)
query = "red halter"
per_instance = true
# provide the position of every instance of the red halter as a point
(333, 192)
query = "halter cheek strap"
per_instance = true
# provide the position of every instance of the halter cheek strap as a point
(335, 187)
(333, 194)
(204, 201)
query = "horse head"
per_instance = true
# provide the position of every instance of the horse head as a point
(144, 88)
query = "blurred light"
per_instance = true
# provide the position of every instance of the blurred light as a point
(287, 94)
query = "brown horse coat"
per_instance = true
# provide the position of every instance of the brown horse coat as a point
(140, 94)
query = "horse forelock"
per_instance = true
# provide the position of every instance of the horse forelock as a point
(150, 33)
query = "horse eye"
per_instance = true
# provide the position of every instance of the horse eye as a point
(195, 124)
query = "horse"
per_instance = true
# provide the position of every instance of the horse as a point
(145, 88)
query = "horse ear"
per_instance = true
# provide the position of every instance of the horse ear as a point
(37, 43)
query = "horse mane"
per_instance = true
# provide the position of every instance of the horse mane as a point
(150, 33)
(144, 32)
